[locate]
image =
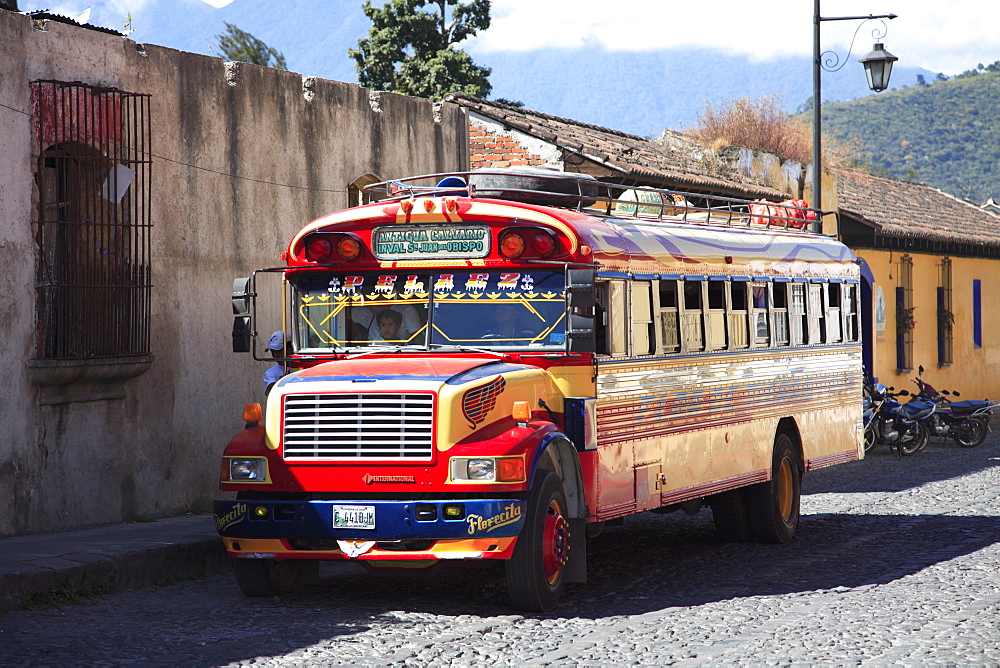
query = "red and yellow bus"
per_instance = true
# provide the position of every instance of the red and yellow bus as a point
(478, 374)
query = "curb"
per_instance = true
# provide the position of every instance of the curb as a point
(109, 559)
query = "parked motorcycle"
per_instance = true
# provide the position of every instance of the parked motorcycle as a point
(965, 422)
(902, 427)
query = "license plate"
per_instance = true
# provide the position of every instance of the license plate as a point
(354, 517)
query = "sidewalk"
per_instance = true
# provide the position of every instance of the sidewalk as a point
(112, 558)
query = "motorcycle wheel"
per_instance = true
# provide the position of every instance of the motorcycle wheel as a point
(970, 433)
(871, 438)
(914, 439)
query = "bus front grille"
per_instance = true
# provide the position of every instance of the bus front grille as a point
(358, 427)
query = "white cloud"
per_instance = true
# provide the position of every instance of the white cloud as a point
(941, 36)
(218, 4)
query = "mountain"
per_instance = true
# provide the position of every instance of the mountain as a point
(945, 133)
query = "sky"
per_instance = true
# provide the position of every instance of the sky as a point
(948, 36)
(942, 36)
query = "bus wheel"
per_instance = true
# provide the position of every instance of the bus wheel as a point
(536, 571)
(774, 505)
(267, 577)
(729, 512)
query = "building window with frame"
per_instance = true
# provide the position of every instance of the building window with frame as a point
(945, 315)
(92, 229)
(904, 315)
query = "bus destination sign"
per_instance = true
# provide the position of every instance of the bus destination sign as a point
(419, 242)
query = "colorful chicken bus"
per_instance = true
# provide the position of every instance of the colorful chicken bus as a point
(477, 374)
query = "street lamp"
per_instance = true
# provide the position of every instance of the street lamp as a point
(878, 66)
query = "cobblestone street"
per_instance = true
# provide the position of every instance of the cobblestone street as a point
(897, 561)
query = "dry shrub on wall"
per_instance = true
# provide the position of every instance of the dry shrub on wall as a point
(762, 125)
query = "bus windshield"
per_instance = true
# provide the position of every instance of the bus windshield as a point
(506, 310)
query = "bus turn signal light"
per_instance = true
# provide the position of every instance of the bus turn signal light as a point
(510, 469)
(521, 411)
(252, 413)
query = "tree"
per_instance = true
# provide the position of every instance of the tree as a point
(235, 44)
(412, 51)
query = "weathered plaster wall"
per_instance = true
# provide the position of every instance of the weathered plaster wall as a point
(242, 157)
(492, 145)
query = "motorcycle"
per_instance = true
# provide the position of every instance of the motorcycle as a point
(902, 427)
(965, 422)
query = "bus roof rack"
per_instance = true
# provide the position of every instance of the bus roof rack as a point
(583, 192)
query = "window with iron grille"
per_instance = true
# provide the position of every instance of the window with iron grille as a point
(92, 231)
(945, 316)
(905, 320)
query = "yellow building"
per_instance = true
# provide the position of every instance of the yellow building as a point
(934, 267)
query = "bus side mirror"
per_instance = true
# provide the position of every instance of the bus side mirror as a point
(241, 334)
(241, 296)
(580, 333)
(580, 288)
(241, 309)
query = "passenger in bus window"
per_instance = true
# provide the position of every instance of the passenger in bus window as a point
(389, 322)
(508, 323)
(367, 317)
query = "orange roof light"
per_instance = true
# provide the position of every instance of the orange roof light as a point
(512, 245)
(349, 248)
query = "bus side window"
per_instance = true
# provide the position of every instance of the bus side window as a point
(779, 313)
(738, 337)
(797, 313)
(643, 336)
(850, 310)
(761, 331)
(691, 320)
(715, 321)
(669, 321)
(816, 320)
(617, 320)
(833, 310)
(601, 318)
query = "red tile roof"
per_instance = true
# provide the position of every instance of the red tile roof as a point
(903, 208)
(676, 162)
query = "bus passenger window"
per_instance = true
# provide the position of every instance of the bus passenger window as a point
(691, 321)
(715, 322)
(617, 324)
(762, 334)
(850, 309)
(816, 320)
(601, 318)
(669, 322)
(797, 313)
(738, 336)
(833, 313)
(643, 336)
(779, 313)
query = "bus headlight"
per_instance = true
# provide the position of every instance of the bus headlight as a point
(487, 469)
(247, 469)
(480, 469)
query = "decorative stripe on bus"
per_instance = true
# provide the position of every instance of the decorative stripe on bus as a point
(830, 460)
(715, 487)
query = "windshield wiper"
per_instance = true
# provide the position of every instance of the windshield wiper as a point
(468, 349)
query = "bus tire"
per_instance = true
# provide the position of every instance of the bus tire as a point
(536, 572)
(260, 578)
(729, 512)
(774, 505)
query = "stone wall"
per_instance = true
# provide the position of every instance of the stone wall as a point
(242, 156)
